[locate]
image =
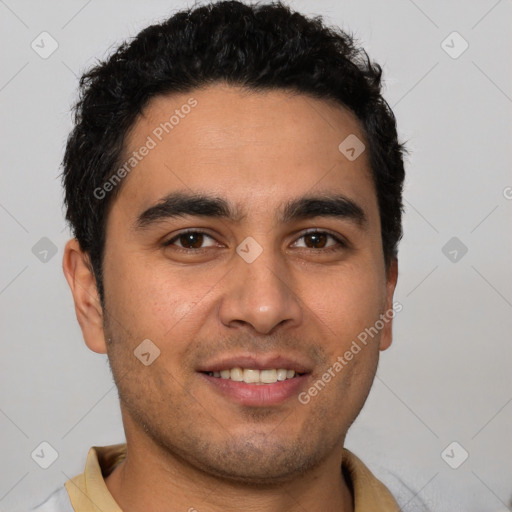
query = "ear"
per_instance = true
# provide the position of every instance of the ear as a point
(387, 331)
(81, 280)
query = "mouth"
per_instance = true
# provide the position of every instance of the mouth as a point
(256, 381)
(255, 376)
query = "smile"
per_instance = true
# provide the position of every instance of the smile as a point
(255, 376)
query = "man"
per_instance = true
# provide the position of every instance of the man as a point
(233, 182)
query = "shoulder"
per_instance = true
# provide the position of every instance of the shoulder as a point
(405, 490)
(58, 501)
(380, 487)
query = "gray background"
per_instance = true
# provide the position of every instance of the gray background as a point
(446, 378)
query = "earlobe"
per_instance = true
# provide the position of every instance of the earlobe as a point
(387, 331)
(81, 280)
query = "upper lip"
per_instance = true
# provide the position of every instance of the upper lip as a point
(258, 362)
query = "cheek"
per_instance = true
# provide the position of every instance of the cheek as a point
(148, 296)
(349, 301)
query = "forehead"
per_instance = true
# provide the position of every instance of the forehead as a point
(255, 148)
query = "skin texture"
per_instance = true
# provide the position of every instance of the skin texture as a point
(189, 446)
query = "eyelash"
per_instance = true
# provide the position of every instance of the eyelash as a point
(341, 243)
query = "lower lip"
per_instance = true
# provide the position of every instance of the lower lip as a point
(257, 394)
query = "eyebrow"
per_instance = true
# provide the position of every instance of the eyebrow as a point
(180, 204)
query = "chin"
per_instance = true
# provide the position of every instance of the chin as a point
(256, 462)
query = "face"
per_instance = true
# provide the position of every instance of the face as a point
(279, 268)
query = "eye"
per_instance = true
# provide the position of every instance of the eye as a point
(189, 240)
(314, 239)
(193, 240)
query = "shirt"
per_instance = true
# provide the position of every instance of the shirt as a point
(88, 492)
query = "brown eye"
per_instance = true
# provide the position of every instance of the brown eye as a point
(189, 240)
(319, 240)
(316, 240)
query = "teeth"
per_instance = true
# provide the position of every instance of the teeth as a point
(237, 374)
(281, 374)
(268, 376)
(252, 376)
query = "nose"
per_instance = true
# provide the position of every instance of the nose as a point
(261, 295)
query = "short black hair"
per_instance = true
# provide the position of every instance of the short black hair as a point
(258, 47)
